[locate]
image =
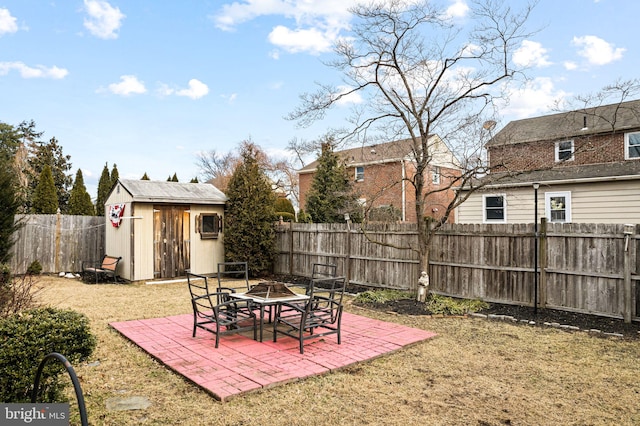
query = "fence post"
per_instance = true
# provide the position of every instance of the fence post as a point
(348, 258)
(291, 248)
(543, 262)
(628, 234)
(56, 255)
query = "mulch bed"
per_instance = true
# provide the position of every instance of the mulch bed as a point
(543, 317)
(583, 321)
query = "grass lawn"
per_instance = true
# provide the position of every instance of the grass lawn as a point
(475, 372)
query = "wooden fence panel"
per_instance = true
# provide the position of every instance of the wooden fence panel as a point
(580, 268)
(59, 242)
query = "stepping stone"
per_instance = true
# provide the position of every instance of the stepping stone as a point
(128, 403)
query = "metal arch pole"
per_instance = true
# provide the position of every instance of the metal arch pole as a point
(74, 378)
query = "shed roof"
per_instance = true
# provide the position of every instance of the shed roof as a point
(172, 192)
(601, 119)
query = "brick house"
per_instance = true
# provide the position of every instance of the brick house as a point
(586, 163)
(380, 174)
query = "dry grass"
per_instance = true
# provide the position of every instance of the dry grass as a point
(476, 372)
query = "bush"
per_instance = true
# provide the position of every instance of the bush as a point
(34, 268)
(381, 296)
(27, 338)
(16, 293)
(5, 274)
(450, 306)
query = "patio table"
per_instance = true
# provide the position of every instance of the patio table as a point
(267, 299)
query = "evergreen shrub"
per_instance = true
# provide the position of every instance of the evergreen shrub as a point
(26, 338)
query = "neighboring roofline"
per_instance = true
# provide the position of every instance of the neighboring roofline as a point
(555, 182)
(406, 156)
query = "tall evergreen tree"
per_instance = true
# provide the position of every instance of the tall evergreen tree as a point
(194, 180)
(331, 194)
(249, 230)
(45, 200)
(80, 200)
(50, 153)
(144, 176)
(114, 176)
(174, 178)
(9, 205)
(104, 186)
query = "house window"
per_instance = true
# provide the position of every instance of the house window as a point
(435, 175)
(359, 174)
(209, 225)
(558, 206)
(495, 208)
(564, 151)
(632, 145)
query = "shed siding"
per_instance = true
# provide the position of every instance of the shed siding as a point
(207, 253)
(142, 240)
(598, 202)
(118, 240)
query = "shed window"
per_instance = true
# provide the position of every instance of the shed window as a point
(209, 225)
(359, 174)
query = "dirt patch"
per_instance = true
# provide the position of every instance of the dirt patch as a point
(543, 317)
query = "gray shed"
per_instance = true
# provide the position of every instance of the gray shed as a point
(161, 229)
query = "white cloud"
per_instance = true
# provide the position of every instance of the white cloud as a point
(104, 20)
(458, 9)
(39, 71)
(196, 90)
(7, 22)
(570, 66)
(129, 85)
(301, 40)
(230, 98)
(531, 53)
(534, 98)
(317, 23)
(596, 50)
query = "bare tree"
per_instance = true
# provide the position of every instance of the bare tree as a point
(419, 72)
(218, 168)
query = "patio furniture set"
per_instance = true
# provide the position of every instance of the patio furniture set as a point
(236, 306)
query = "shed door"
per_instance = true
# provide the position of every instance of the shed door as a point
(171, 245)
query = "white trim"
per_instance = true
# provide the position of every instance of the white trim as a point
(557, 151)
(484, 208)
(626, 146)
(567, 206)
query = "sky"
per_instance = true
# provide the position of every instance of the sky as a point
(148, 85)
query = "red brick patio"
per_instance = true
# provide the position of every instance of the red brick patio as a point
(241, 364)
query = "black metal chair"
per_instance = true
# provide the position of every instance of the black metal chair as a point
(320, 316)
(234, 275)
(93, 271)
(216, 312)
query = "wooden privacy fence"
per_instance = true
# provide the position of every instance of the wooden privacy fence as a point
(59, 242)
(591, 268)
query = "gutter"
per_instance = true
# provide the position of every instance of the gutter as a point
(559, 181)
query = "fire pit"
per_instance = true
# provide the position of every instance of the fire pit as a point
(270, 290)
